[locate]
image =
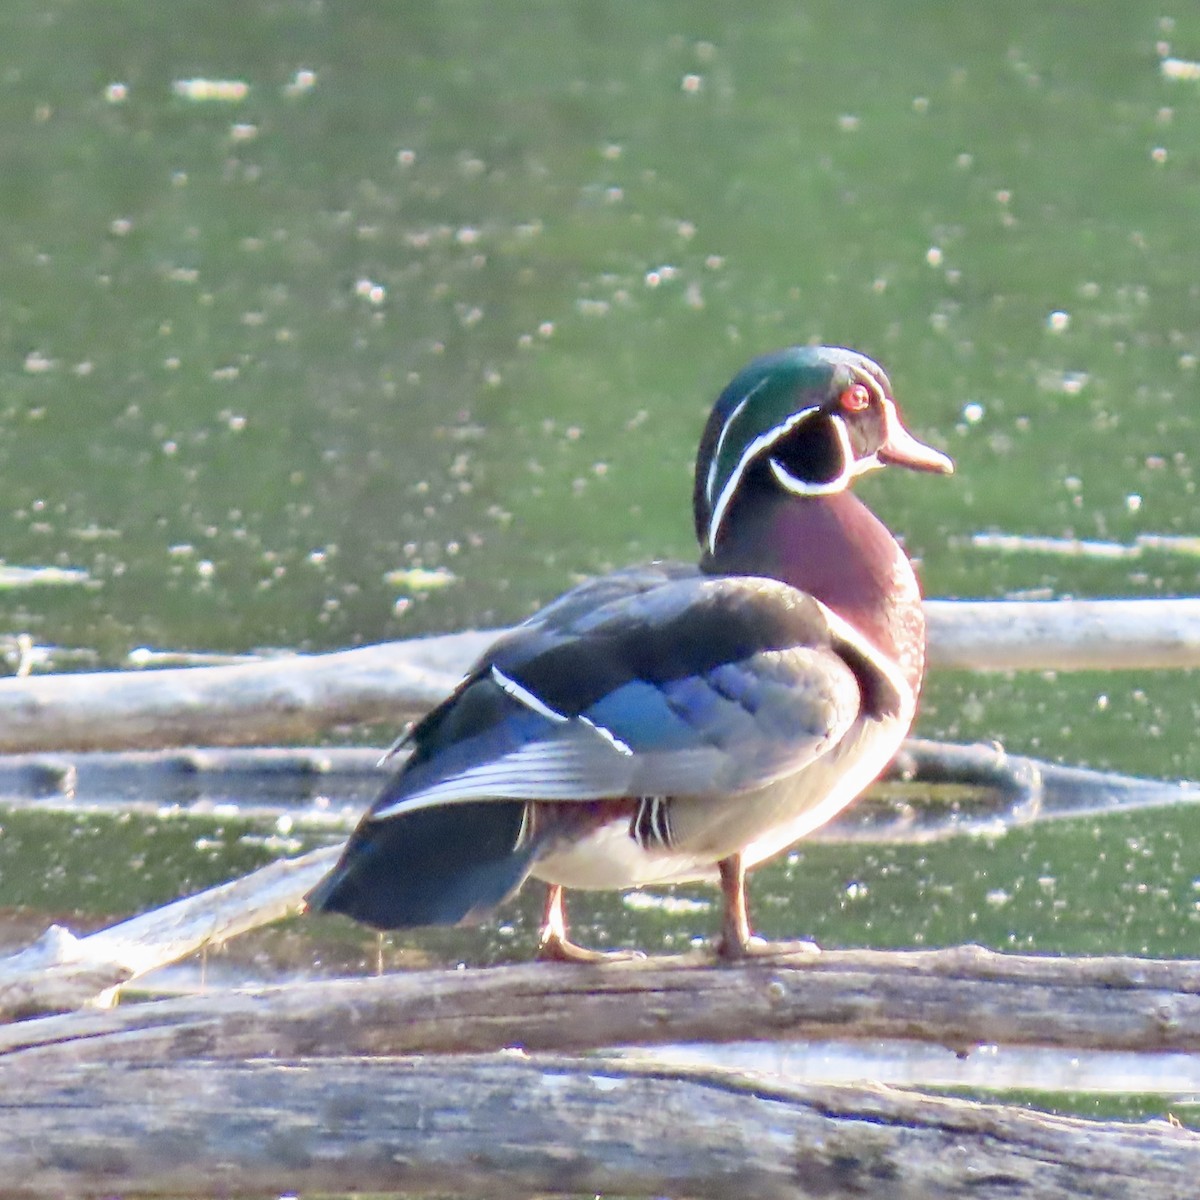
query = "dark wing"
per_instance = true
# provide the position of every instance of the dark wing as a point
(654, 681)
(554, 620)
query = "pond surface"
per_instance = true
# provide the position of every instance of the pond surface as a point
(323, 325)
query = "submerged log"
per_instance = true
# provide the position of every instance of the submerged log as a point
(294, 698)
(60, 972)
(326, 789)
(498, 1125)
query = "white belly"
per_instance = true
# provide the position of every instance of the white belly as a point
(706, 829)
(829, 785)
(608, 859)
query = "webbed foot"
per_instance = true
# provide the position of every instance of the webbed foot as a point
(736, 943)
(555, 946)
(735, 950)
(559, 949)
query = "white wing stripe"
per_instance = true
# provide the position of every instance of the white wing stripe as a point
(524, 696)
(607, 734)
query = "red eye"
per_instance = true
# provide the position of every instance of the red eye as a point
(855, 398)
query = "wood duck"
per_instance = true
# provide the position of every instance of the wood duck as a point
(670, 722)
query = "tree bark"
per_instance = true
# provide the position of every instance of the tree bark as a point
(499, 1125)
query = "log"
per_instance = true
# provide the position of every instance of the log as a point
(61, 972)
(958, 998)
(1064, 635)
(277, 700)
(501, 1125)
(294, 698)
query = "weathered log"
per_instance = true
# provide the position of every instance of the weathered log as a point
(279, 699)
(957, 998)
(61, 972)
(328, 788)
(293, 698)
(1064, 635)
(498, 1125)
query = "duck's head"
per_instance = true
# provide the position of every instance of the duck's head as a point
(806, 421)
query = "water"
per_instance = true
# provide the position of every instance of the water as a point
(326, 326)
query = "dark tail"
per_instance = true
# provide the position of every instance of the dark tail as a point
(447, 865)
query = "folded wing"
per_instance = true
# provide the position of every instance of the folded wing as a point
(657, 681)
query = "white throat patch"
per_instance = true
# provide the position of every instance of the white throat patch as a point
(850, 467)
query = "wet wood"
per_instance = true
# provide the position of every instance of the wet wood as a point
(294, 698)
(326, 789)
(959, 998)
(495, 1125)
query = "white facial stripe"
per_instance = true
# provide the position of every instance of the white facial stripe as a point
(863, 465)
(751, 452)
(891, 418)
(525, 696)
(733, 416)
(804, 487)
(880, 661)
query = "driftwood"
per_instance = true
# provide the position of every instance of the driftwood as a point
(479, 1126)
(294, 698)
(1064, 635)
(279, 699)
(958, 998)
(125, 1122)
(218, 1117)
(61, 972)
(489, 1126)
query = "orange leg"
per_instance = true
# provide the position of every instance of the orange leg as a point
(736, 941)
(555, 946)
